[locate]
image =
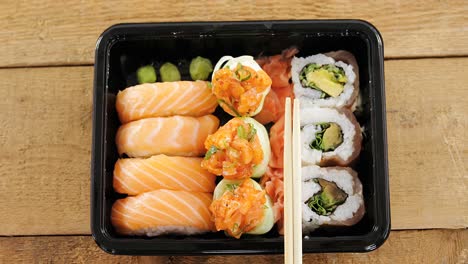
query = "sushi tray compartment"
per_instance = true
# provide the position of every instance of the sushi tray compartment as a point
(172, 56)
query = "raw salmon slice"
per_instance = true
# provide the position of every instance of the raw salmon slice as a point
(162, 212)
(135, 176)
(165, 99)
(174, 136)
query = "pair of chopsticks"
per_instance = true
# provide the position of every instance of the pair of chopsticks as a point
(292, 185)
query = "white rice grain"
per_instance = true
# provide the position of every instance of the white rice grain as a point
(344, 180)
(311, 97)
(162, 230)
(310, 118)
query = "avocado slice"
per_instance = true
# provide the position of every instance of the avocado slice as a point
(331, 194)
(327, 78)
(325, 81)
(328, 199)
(332, 137)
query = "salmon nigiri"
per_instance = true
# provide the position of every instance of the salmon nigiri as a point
(165, 99)
(176, 136)
(135, 176)
(162, 212)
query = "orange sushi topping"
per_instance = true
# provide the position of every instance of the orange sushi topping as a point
(233, 150)
(239, 91)
(239, 210)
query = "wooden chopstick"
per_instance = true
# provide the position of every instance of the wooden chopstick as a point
(297, 184)
(288, 186)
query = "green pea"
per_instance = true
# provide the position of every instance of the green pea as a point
(200, 68)
(169, 72)
(146, 74)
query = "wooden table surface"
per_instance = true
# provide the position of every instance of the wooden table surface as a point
(46, 77)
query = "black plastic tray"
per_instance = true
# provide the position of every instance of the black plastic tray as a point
(121, 49)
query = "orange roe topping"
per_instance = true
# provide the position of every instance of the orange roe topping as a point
(233, 150)
(240, 210)
(239, 91)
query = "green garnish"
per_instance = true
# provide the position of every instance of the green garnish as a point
(338, 73)
(169, 72)
(212, 150)
(241, 132)
(200, 68)
(209, 85)
(221, 101)
(231, 186)
(328, 79)
(317, 143)
(316, 204)
(328, 199)
(146, 74)
(242, 74)
(252, 132)
(328, 138)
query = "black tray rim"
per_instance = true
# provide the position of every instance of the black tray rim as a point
(377, 236)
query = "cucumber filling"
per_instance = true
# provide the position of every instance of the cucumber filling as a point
(328, 138)
(328, 199)
(328, 79)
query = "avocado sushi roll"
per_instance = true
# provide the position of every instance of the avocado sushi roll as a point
(330, 197)
(329, 137)
(326, 80)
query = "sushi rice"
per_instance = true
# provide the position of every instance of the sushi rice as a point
(311, 97)
(348, 213)
(345, 153)
(164, 230)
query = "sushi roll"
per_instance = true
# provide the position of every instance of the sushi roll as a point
(163, 212)
(173, 136)
(240, 85)
(240, 149)
(165, 99)
(329, 137)
(326, 80)
(240, 207)
(330, 197)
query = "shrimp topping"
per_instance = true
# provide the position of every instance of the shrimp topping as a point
(239, 91)
(240, 209)
(233, 151)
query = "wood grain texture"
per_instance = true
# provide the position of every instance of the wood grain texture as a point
(45, 120)
(41, 32)
(62, 249)
(46, 131)
(428, 246)
(427, 117)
